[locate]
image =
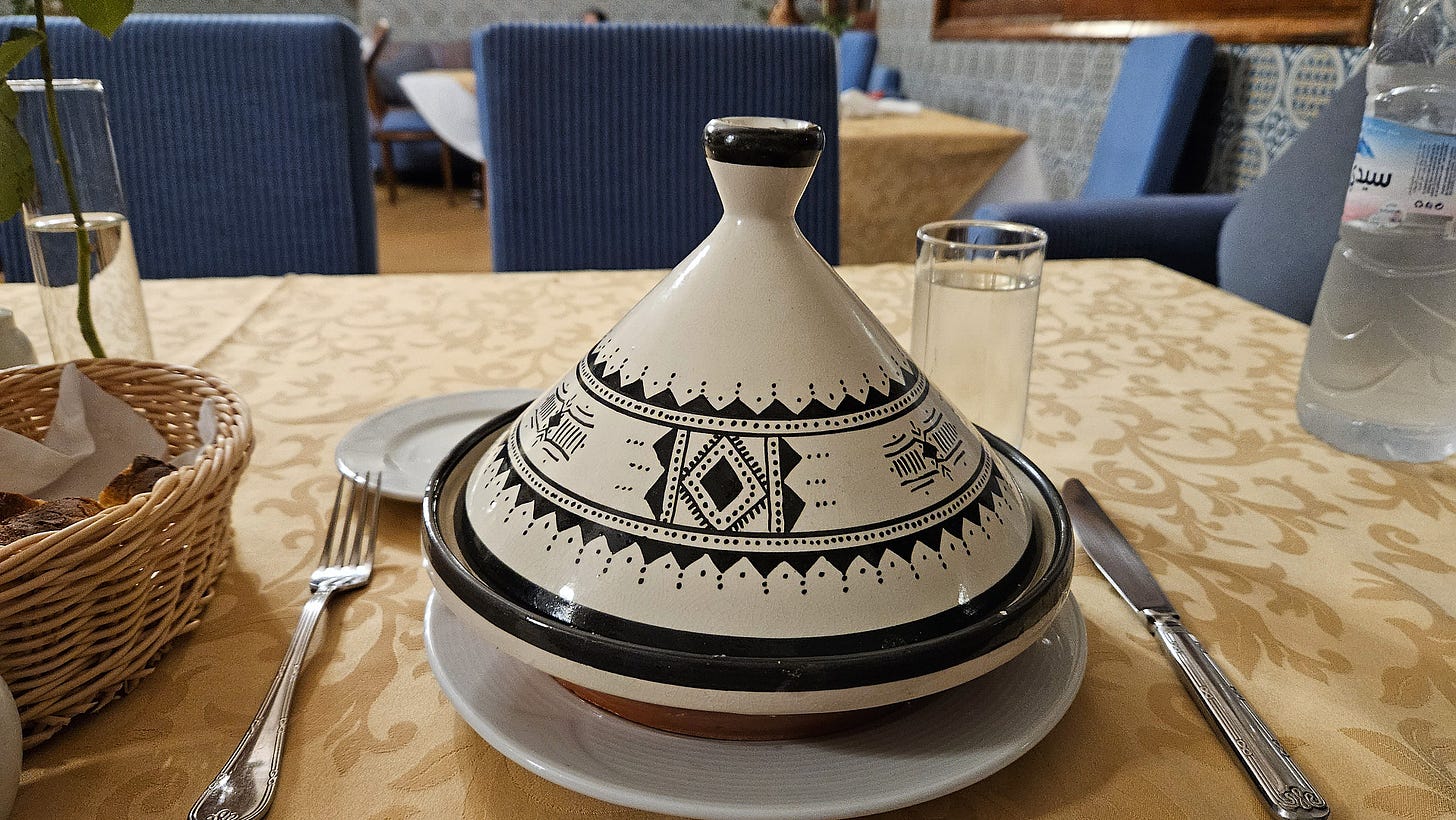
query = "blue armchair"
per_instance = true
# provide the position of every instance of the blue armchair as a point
(1149, 115)
(1270, 244)
(1147, 120)
(242, 141)
(858, 69)
(593, 135)
(856, 57)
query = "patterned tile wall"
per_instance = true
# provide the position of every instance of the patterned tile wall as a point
(1057, 92)
(454, 19)
(1273, 93)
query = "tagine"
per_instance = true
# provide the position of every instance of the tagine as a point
(745, 512)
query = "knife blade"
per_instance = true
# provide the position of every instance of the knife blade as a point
(1286, 791)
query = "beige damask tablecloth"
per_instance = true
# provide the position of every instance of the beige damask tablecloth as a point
(1326, 583)
(899, 172)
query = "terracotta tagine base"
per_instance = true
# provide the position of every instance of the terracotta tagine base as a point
(727, 725)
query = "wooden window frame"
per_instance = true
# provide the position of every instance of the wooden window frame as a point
(1265, 21)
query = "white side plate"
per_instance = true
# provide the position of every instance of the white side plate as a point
(409, 441)
(931, 748)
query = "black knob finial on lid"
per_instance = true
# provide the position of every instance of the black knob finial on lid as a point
(768, 141)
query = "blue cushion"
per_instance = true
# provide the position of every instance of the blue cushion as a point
(242, 141)
(856, 56)
(1180, 232)
(1276, 244)
(885, 80)
(1149, 114)
(593, 135)
(404, 119)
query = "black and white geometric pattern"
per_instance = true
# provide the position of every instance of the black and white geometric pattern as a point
(723, 486)
(724, 482)
(562, 425)
(926, 453)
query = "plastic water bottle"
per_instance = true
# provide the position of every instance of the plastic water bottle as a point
(1379, 376)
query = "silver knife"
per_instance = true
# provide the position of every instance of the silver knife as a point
(1284, 787)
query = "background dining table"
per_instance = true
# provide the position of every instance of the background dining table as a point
(897, 171)
(1325, 583)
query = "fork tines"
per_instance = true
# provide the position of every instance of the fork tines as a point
(359, 498)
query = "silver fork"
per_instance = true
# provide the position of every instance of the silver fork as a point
(243, 790)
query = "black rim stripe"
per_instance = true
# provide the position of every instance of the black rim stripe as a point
(736, 140)
(521, 591)
(761, 674)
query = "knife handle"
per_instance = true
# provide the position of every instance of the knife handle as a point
(1284, 787)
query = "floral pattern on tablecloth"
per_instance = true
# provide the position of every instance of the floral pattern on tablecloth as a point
(1325, 583)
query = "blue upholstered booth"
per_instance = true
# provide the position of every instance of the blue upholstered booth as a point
(593, 135)
(856, 57)
(242, 141)
(1149, 115)
(1148, 118)
(1270, 244)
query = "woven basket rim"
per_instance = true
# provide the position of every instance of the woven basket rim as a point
(170, 487)
(152, 561)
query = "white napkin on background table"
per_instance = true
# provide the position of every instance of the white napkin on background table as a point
(856, 103)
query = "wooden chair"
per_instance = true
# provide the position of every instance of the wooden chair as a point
(389, 125)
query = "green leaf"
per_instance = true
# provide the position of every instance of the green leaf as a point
(17, 177)
(14, 49)
(103, 15)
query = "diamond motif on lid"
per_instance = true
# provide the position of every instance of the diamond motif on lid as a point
(721, 485)
(562, 424)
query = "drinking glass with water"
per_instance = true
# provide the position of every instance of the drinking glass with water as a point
(976, 290)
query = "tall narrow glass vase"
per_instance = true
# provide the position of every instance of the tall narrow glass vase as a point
(110, 293)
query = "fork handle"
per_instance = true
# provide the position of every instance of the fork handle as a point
(243, 790)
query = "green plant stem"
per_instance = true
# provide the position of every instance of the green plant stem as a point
(83, 243)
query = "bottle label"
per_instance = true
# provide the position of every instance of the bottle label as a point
(1400, 170)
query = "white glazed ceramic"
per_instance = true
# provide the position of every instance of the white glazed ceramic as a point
(15, 346)
(728, 675)
(408, 442)
(745, 475)
(926, 750)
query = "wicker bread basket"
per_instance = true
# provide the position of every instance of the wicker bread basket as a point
(87, 611)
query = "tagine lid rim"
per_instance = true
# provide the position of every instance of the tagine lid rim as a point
(541, 623)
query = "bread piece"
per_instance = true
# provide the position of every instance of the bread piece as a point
(52, 515)
(15, 504)
(140, 477)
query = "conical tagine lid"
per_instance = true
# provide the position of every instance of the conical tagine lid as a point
(749, 463)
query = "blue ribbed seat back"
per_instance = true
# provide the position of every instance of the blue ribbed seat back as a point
(1275, 244)
(856, 57)
(1149, 114)
(242, 141)
(593, 135)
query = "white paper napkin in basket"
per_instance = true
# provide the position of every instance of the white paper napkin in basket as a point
(92, 437)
